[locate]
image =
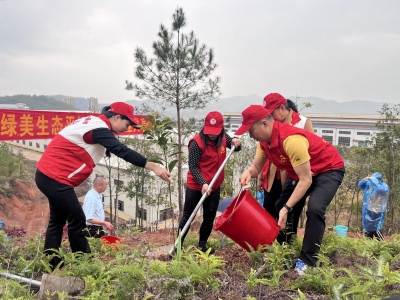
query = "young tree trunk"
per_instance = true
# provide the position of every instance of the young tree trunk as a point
(179, 162)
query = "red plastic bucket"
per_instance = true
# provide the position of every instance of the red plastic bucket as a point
(248, 222)
(111, 240)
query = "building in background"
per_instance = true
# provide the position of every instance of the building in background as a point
(69, 100)
(14, 106)
(93, 104)
(349, 130)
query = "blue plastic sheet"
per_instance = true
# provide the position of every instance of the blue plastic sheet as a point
(375, 201)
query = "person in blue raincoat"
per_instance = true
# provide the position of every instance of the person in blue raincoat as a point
(376, 195)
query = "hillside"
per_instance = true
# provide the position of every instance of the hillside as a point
(232, 104)
(28, 208)
(36, 102)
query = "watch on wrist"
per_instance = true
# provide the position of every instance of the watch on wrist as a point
(289, 209)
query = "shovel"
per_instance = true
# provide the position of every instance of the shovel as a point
(189, 221)
(51, 283)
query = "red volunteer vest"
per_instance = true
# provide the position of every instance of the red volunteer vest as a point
(324, 157)
(68, 159)
(295, 119)
(210, 161)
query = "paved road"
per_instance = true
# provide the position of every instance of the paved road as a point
(28, 154)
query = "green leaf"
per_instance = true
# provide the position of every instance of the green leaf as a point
(172, 164)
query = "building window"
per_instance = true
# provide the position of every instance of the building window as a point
(118, 183)
(165, 214)
(144, 190)
(328, 138)
(344, 132)
(23, 142)
(363, 133)
(142, 213)
(315, 130)
(30, 144)
(120, 205)
(37, 145)
(344, 140)
(18, 142)
(327, 131)
(44, 146)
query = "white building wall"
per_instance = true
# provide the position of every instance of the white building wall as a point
(361, 127)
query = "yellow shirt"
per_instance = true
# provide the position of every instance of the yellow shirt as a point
(296, 148)
(259, 152)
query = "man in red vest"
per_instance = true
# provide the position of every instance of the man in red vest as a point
(314, 163)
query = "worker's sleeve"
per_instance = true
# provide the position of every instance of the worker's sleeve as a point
(194, 159)
(229, 143)
(296, 148)
(362, 184)
(380, 187)
(259, 151)
(106, 138)
(89, 208)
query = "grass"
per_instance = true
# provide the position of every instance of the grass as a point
(348, 269)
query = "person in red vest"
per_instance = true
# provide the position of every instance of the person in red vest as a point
(69, 160)
(273, 181)
(306, 157)
(207, 151)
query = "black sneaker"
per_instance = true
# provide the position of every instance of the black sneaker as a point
(204, 249)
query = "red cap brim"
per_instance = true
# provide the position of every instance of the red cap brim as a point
(212, 130)
(243, 129)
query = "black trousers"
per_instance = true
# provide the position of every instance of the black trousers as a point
(289, 233)
(321, 192)
(64, 206)
(271, 197)
(210, 206)
(95, 231)
(372, 234)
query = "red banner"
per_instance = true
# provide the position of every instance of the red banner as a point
(22, 124)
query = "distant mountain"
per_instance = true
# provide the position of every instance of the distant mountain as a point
(232, 104)
(239, 103)
(36, 102)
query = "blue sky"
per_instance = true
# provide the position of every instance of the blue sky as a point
(337, 50)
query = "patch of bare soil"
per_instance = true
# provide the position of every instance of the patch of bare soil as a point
(28, 208)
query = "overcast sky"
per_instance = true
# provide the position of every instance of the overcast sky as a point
(339, 50)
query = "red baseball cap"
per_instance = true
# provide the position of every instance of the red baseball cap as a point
(126, 110)
(273, 100)
(251, 115)
(213, 123)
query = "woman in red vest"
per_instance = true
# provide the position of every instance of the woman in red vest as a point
(270, 180)
(314, 163)
(69, 160)
(207, 151)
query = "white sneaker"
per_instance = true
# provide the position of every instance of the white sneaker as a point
(300, 267)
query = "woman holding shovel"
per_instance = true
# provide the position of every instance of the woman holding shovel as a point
(207, 151)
